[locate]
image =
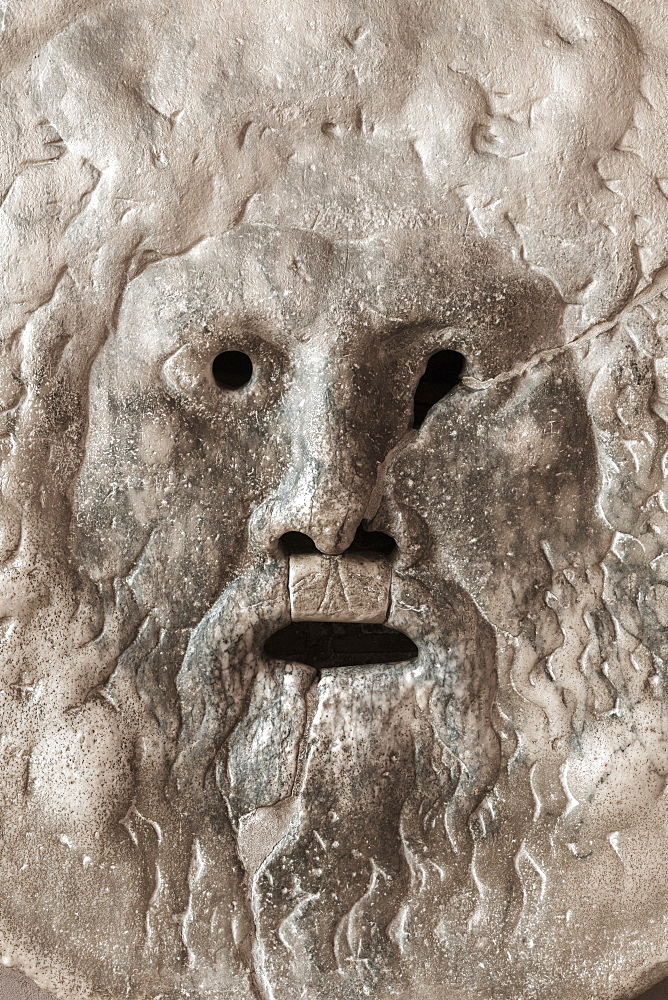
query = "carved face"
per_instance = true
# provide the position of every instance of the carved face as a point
(194, 485)
(332, 515)
(251, 421)
(202, 478)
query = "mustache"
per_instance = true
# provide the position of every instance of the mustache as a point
(221, 661)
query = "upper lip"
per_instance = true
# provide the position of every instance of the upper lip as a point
(348, 588)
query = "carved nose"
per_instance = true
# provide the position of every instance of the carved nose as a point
(309, 515)
(319, 507)
(341, 425)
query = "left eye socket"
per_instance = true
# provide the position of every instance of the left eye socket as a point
(232, 369)
(440, 376)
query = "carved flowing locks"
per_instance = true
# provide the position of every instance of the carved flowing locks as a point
(334, 572)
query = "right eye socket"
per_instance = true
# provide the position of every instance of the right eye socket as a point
(232, 370)
(248, 375)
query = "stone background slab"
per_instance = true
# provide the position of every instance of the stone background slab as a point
(14, 986)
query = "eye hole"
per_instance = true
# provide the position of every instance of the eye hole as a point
(441, 375)
(232, 369)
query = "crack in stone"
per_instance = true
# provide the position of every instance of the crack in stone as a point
(653, 290)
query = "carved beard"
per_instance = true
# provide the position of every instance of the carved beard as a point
(342, 791)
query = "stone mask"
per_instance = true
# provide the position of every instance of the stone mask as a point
(334, 587)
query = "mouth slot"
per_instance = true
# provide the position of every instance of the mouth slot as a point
(324, 645)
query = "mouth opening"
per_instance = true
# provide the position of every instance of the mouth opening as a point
(324, 645)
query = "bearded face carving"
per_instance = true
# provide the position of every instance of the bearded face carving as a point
(333, 432)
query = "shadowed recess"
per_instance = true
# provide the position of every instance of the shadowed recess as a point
(340, 644)
(232, 369)
(441, 375)
(374, 542)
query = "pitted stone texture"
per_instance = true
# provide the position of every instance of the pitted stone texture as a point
(351, 588)
(341, 192)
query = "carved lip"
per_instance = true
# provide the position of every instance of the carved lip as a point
(353, 588)
(325, 612)
(338, 609)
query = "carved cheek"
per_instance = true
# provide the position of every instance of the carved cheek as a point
(516, 471)
(70, 776)
(156, 442)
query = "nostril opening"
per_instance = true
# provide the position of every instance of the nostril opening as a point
(372, 541)
(441, 375)
(295, 543)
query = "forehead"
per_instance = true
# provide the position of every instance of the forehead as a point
(295, 284)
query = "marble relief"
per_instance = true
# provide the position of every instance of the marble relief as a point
(333, 516)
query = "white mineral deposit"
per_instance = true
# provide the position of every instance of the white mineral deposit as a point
(334, 498)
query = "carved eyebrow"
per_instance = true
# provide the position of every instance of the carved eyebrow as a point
(217, 325)
(403, 333)
(269, 326)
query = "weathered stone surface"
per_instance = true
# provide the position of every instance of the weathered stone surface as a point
(352, 315)
(350, 588)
